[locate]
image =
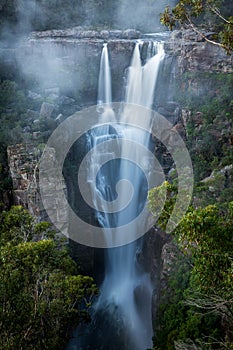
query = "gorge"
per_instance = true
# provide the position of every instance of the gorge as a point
(65, 71)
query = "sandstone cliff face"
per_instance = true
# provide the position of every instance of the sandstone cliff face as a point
(23, 160)
(195, 55)
(196, 65)
(67, 63)
(70, 59)
(154, 261)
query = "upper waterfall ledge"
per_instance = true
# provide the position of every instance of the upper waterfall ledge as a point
(81, 33)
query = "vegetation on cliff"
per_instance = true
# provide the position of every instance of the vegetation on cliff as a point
(206, 100)
(42, 295)
(196, 308)
(212, 20)
(40, 284)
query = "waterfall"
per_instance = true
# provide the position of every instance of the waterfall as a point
(122, 313)
(104, 100)
(127, 290)
(142, 79)
(105, 85)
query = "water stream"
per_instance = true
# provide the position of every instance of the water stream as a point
(122, 313)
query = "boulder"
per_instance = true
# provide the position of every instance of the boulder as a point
(46, 110)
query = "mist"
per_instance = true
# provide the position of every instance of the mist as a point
(47, 64)
(22, 16)
(144, 16)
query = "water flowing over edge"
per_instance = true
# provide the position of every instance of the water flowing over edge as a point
(126, 292)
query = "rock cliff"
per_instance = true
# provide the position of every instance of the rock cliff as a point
(65, 64)
(193, 54)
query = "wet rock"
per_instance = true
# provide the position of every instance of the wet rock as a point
(150, 259)
(169, 255)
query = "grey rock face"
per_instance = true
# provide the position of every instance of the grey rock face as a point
(46, 110)
(69, 59)
(80, 33)
(196, 55)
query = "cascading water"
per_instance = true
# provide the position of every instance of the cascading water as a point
(122, 313)
(105, 85)
(125, 286)
(142, 79)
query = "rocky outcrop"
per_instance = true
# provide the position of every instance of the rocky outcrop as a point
(173, 268)
(80, 33)
(216, 188)
(152, 259)
(194, 54)
(69, 60)
(23, 162)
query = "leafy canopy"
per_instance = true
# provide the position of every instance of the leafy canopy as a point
(203, 16)
(205, 237)
(42, 296)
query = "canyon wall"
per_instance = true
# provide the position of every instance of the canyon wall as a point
(61, 67)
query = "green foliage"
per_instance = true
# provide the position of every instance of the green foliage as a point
(207, 233)
(42, 296)
(209, 127)
(198, 312)
(161, 201)
(13, 105)
(175, 319)
(198, 300)
(199, 14)
(18, 226)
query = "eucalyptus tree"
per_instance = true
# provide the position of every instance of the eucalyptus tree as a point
(212, 20)
(42, 295)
